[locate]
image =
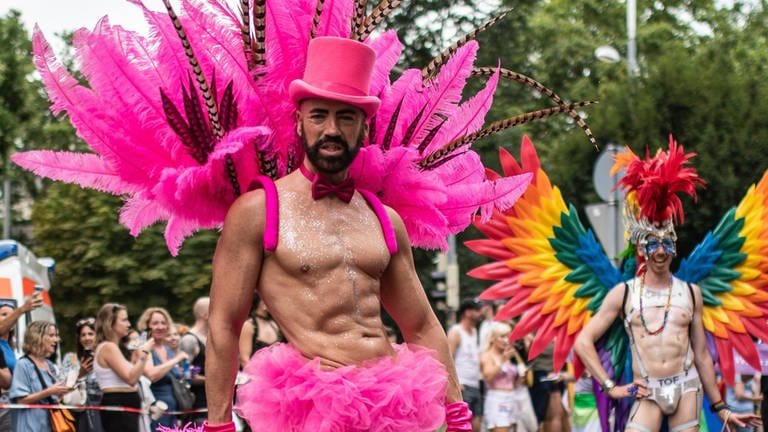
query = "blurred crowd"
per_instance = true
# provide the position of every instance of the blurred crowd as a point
(124, 375)
(154, 371)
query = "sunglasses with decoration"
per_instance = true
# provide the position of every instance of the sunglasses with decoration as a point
(652, 244)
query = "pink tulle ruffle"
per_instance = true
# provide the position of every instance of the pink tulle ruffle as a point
(287, 393)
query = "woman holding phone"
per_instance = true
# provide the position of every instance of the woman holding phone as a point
(164, 365)
(87, 391)
(115, 374)
(35, 378)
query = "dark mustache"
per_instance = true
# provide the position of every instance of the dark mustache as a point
(332, 139)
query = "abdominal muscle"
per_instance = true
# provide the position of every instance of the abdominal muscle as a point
(330, 314)
(322, 282)
(663, 354)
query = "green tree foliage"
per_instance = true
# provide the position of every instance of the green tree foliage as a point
(97, 260)
(22, 109)
(701, 78)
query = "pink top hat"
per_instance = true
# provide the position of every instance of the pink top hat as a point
(338, 69)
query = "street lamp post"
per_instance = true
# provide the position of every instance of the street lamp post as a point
(7, 198)
(609, 54)
(632, 67)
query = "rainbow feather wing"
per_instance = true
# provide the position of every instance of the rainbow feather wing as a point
(731, 267)
(549, 267)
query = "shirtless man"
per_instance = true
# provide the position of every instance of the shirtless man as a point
(670, 360)
(325, 282)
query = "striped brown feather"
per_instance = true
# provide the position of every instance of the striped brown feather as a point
(541, 88)
(430, 69)
(316, 18)
(359, 18)
(496, 127)
(381, 12)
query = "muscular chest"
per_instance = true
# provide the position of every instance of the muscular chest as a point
(318, 236)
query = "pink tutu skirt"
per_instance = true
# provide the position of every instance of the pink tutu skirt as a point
(287, 393)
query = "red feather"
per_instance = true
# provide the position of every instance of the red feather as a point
(658, 180)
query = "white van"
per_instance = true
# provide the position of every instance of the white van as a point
(21, 273)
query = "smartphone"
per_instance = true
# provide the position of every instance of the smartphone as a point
(88, 353)
(142, 338)
(550, 377)
(39, 288)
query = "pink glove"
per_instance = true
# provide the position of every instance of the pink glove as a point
(458, 417)
(225, 427)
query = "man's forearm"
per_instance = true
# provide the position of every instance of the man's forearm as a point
(434, 338)
(220, 371)
(586, 351)
(10, 321)
(706, 371)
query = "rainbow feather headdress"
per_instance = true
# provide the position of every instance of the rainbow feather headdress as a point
(183, 120)
(652, 185)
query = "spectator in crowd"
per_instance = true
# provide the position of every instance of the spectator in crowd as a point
(164, 365)
(500, 375)
(193, 343)
(526, 418)
(87, 391)
(488, 311)
(149, 405)
(391, 334)
(463, 345)
(115, 374)
(547, 392)
(741, 398)
(35, 378)
(763, 401)
(9, 315)
(5, 373)
(173, 338)
(259, 331)
(585, 417)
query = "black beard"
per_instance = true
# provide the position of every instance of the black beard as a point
(331, 165)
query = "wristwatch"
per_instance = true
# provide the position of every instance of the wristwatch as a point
(607, 385)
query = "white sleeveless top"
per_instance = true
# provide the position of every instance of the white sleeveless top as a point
(467, 358)
(680, 298)
(106, 377)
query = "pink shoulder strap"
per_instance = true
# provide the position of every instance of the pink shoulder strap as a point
(271, 224)
(381, 214)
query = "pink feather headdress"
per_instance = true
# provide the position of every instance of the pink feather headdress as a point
(181, 121)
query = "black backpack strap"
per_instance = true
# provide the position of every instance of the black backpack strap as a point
(690, 327)
(624, 302)
(39, 377)
(693, 298)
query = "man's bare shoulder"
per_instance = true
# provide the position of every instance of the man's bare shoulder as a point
(614, 300)
(395, 218)
(250, 204)
(697, 294)
(247, 215)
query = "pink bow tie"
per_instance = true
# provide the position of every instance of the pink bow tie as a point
(322, 187)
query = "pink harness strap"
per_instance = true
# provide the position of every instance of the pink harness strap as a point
(381, 214)
(271, 226)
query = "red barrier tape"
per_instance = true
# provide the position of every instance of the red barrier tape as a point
(98, 408)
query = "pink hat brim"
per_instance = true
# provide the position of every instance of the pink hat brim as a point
(300, 90)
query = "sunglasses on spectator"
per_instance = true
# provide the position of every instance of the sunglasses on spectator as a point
(85, 321)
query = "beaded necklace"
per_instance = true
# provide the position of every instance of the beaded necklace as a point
(666, 308)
